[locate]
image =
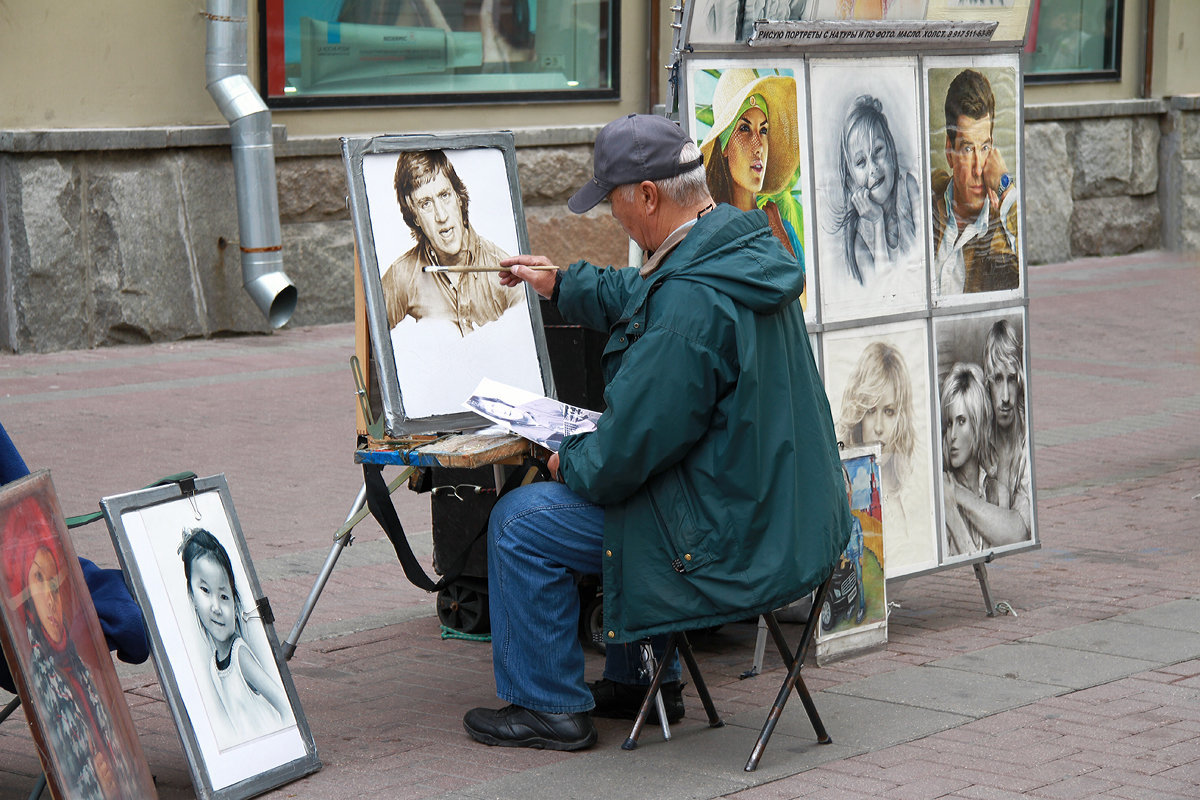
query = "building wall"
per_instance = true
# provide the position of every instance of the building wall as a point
(108, 237)
(140, 63)
(1092, 175)
(1175, 48)
(117, 211)
(113, 63)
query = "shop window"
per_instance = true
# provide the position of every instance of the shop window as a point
(1074, 40)
(327, 53)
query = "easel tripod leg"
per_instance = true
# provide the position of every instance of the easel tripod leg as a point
(12, 706)
(981, 575)
(289, 645)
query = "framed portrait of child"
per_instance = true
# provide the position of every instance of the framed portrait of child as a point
(870, 209)
(57, 654)
(212, 638)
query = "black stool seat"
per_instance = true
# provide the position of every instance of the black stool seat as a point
(678, 642)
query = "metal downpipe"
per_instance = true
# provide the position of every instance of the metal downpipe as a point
(261, 241)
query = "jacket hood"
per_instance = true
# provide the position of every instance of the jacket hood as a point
(735, 252)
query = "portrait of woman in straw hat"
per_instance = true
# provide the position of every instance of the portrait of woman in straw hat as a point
(752, 153)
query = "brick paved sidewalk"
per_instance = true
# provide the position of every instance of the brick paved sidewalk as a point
(1115, 346)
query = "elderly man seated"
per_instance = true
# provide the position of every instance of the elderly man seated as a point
(711, 489)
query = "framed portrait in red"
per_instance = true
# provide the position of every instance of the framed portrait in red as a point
(57, 654)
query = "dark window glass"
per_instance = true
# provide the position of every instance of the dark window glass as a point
(424, 52)
(1074, 40)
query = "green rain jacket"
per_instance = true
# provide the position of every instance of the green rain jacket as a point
(715, 459)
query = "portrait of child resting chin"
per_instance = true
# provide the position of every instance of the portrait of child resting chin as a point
(878, 221)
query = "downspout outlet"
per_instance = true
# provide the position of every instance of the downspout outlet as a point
(253, 163)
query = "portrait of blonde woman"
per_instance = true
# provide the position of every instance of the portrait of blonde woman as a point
(877, 387)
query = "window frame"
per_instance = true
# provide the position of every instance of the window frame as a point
(1111, 75)
(270, 39)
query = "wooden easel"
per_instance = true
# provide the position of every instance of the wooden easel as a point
(412, 453)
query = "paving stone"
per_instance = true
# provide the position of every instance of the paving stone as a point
(1105, 671)
(1124, 639)
(950, 691)
(1057, 666)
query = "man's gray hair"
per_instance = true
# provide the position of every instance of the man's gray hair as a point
(687, 189)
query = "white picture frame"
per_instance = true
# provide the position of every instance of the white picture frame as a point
(860, 96)
(964, 339)
(958, 286)
(435, 336)
(237, 745)
(859, 363)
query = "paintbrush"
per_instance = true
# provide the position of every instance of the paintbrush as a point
(486, 268)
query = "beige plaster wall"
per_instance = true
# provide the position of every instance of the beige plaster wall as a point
(1176, 48)
(135, 63)
(103, 63)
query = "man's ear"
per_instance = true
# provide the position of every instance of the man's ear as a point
(949, 147)
(648, 193)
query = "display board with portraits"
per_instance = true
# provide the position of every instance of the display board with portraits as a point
(884, 142)
(721, 24)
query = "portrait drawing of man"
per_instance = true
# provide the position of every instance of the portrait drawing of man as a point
(975, 203)
(434, 203)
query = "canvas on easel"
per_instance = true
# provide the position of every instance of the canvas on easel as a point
(58, 657)
(433, 217)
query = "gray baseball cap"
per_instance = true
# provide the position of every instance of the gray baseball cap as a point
(632, 149)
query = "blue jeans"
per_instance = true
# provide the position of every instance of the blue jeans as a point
(540, 537)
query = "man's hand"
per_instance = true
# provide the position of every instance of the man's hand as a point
(993, 170)
(542, 281)
(552, 465)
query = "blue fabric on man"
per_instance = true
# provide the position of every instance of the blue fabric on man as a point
(120, 617)
(538, 537)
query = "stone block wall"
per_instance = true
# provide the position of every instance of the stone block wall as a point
(119, 237)
(114, 247)
(1092, 180)
(1180, 156)
(112, 237)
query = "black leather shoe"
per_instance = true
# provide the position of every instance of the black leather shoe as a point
(514, 726)
(622, 700)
